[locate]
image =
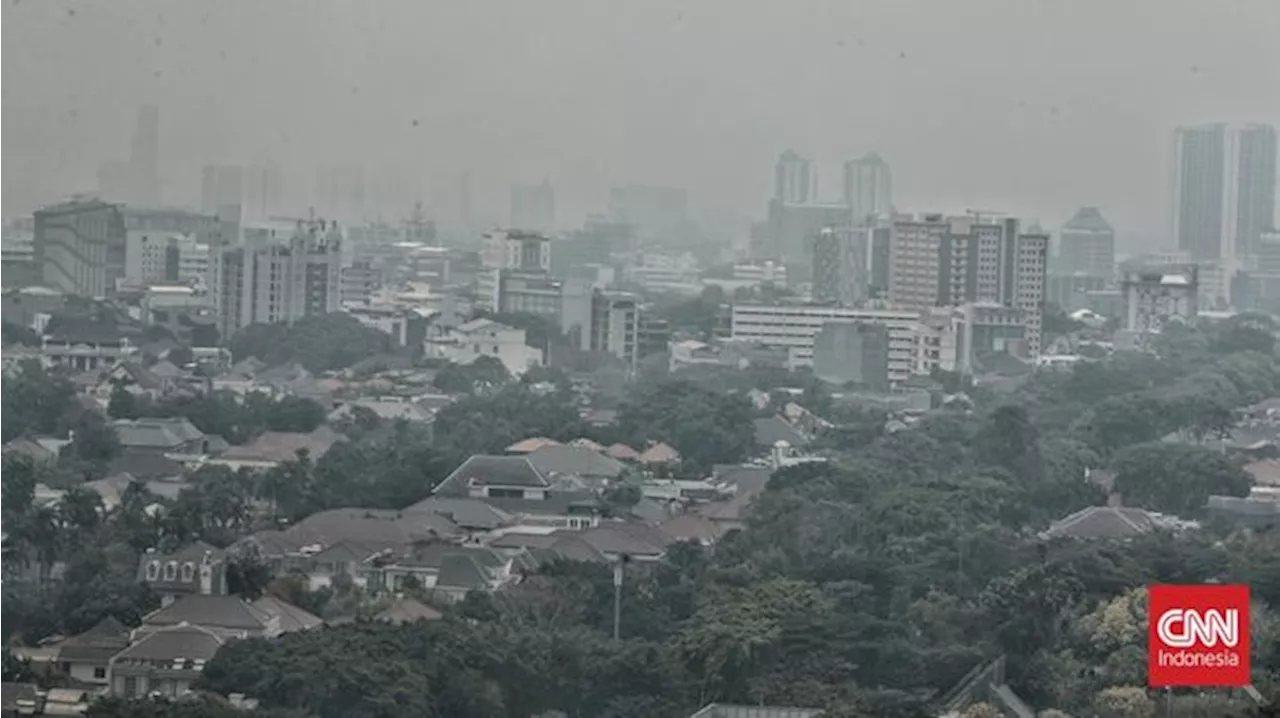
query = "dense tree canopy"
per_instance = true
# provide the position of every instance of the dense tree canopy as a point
(705, 426)
(319, 343)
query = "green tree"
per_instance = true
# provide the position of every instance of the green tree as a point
(706, 427)
(1176, 478)
(36, 402)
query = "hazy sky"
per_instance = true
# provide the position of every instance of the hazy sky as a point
(1029, 106)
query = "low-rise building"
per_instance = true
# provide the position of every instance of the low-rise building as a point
(166, 662)
(487, 338)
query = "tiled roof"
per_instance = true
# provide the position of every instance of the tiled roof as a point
(215, 611)
(461, 571)
(364, 526)
(585, 443)
(407, 610)
(156, 433)
(622, 452)
(96, 645)
(485, 470)
(145, 466)
(659, 453)
(1107, 522)
(575, 461)
(632, 538)
(1264, 473)
(191, 643)
(282, 446)
(291, 617)
(530, 445)
(467, 513)
(523, 540)
(693, 527)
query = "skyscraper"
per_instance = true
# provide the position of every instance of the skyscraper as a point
(79, 247)
(868, 188)
(1255, 185)
(144, 155)
(1087, 245)
(839, 266)
(533, 206)
(1199, 190)
(793, 179)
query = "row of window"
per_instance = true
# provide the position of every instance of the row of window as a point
(170, 571)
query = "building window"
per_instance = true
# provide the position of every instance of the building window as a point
(153, 570)
(99, 672)
(171, 571)
(495, 349)
(130, 686)
(495, 493)
(188, 572)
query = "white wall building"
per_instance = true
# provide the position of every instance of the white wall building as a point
(280, 272)
(145, 255)
(485, 337)
(916, 345)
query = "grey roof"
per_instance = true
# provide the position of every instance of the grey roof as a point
(461, 571)
(1104, 522)
(772, 429)
(283, 373)
(1088, 218)
(96, 645)
(467, 513)
(524, 540)
(746, 478)
(156, 433)
(173, 643)
(203, 610)
(485, 470)
(363, 527)
(575, 460)
(557, 503)
(291, 617)
(407, 610)
(386, 410)
(23, 446)
(139, 374)
(166, 369)
(625, 537)
(145, 466)
(282, 446)
(574, 548)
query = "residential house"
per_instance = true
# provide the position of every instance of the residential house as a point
(486, 338)
(165, 662)
(622, 452)
(631, 539)
(558, 545)
(1112, 522)
(659, 454)
(147, 466)
(693, 527)
(530, 445)
(112, 489)
(585, 443)
(406, 610)
(226, 616)
(1260, 509)
(477, 518)
(448, 571)
(386, 409)
(171, 436)
(32, 449)
(87, 345)
(561, 460)
(515, 485)
(272, 448)
(195, 569)
(85, 657)
(290, 617)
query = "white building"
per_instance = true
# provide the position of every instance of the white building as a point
(1159, 295)
(767, 271)
(278, 273)
(868, 188)
(485, 337)
(615, 326)
(916, 345)
(145, 254)
(385, 318)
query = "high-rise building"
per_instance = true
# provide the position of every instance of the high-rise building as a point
(256, 189)
(952, 261)
(790, 231)
(615, 326)
(279, 273)
(1200, 190)
(533, 206)
(839, 266)
(793, 179)
(868, 188)
(654, 212)
(1255, 185)
(1087, 245)
(79, 246)
(136, 180)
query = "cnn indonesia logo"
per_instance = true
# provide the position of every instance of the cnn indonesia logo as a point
(1198, 636)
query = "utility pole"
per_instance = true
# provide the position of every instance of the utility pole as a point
(617, 596)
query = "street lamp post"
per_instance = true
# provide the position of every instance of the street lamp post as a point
(617, 595)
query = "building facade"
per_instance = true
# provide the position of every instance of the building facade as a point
(852, 352)
(280, 273)
(1199, 190)
(793, 179)
(1255, 185)
(79, 246)
(868, 189)
(615, 326)
(839, 266)
(1087, 245)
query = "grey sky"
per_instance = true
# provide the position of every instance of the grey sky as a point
(1034, 106)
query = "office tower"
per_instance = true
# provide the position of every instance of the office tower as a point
(418, 228)
(952, 261)
(516, 274)
(793, 179)
(281, 272)
(1255, 185)
(880, 237)
(1199, 190)
(790, 231)
(1087, 245)
(255, 188)
(340, 192)
(868, 188)
(79, 246)
(533, 207)
(144, 155)
(839, 266)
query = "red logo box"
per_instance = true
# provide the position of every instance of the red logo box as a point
(1197, 636)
